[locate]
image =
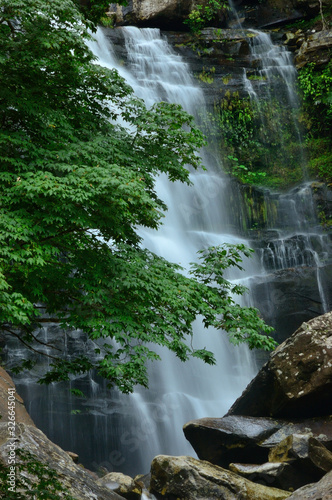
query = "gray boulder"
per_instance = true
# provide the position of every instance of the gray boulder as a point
(278, 474)
(316, 48)
(308, 456)
(186, 478)
(121, 484)
(296, 382)
(156, 13)
(230, 439)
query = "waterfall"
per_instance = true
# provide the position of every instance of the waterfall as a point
(196, 218)
(113, 432)
(296, 242)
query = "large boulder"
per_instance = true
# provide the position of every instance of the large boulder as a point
(310, 459)
(232, 438)
(297, 379)
(186, 478)
(278, 474)
(46, 456)
(157, 13)
(121, 484)
(248, 439)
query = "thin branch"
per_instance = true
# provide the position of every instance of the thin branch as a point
(46, 344)
(48, 320)
(29, 346)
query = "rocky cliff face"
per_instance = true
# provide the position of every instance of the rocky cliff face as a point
(170, 14)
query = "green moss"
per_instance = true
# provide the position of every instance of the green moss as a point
(261, 146)
(207, 75)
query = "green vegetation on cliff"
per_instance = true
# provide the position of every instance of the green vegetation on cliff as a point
(316, 86)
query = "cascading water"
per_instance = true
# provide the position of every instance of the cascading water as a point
(296, 240)
(123, 433)
(299, 241)
(275, 97)
(197, 218)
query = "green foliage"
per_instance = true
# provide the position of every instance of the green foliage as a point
(244, 174)
(107, 22)
(320, 159)
(94, 10)
(261, 137)
(75, 185)
(236, 118)
(316, 86)
(202, 14)
(33, 479)
(207, 75)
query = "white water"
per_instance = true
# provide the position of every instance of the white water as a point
(276, 76)
(197, 217)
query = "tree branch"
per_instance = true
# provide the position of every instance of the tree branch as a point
(29, 346)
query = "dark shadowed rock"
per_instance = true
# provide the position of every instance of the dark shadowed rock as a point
(297, 379)
(279, 474)
(248, 439)
(186, 478)
(319, 428)
(306, 454)
(316, 48)
(317, 491)
(233, 438)
(78, 482)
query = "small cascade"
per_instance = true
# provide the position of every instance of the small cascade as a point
(271, 86)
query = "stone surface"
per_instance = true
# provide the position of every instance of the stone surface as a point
(315, 48)
(291, 296)
(121, 484)
(79, 482)
(253, 13)
(248, 439)
(297, 379)
(278, 474)
(232, 438)
(21, 415)
(315, 458)
(156, 13)
(274, 13)
(187, 478)
(317, 491)
(319, 428)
